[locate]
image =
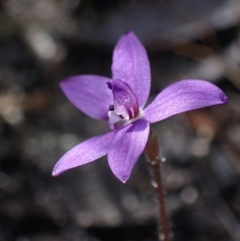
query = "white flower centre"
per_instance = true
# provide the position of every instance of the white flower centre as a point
(116, 120)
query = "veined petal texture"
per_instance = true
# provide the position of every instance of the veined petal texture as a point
(125, 102)
(84, 153)
(127, 145)
(183, 96)
(89, 93)
(131, 64)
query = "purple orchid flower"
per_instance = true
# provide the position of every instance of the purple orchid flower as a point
(121, 100)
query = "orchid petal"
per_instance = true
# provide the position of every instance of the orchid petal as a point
(183, 96)
(84, 153)
(131, 64)
(125, 102)
(127, 145)
(89, 93)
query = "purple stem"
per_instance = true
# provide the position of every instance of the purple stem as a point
(153, 156)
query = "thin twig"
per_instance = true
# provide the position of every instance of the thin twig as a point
(153, 156)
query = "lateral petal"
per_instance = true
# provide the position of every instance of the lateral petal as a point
(127, 145)
(131, 64)
(85, 152)
(89, 93)
(183, 96)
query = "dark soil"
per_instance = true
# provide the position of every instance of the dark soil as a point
(41, 42)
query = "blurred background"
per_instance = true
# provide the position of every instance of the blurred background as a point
(41, 42)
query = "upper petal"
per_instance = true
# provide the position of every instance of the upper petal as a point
(131, 64)
(183, 96)
(127, 145)
(89, 93)
(84, 153)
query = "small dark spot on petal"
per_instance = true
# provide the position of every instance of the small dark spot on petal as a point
(127, 32)
(110, 86)
(111, 107)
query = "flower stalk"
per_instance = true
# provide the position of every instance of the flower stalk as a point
(154, 159)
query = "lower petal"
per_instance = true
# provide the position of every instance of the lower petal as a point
(183, 96)
(127, 145)
(84, 153)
